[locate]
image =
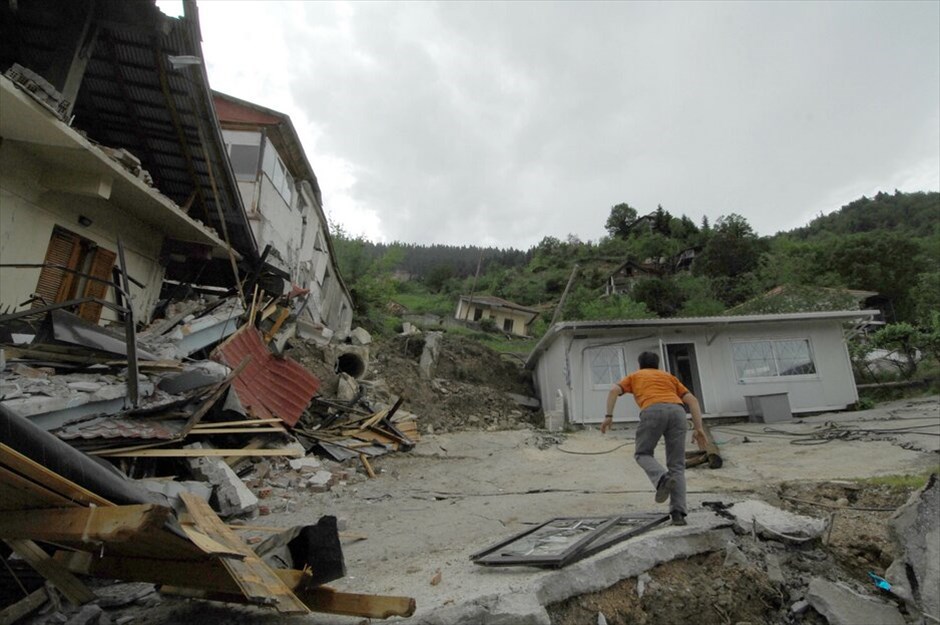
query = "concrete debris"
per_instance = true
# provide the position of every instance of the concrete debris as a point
(843, 606)
(89, 614)
(432, 347)
(643, 582)
(230, 496)
(305, 465)
(347, 389)
(408, 329)
(775, 524)
(118, 595)
(915, 573)
(360, 336)
(734, 556)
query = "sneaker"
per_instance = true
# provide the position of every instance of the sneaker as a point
(678, 518)
(664, 488)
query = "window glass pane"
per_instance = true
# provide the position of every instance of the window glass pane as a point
(245, 161)
(268, 160)
(754, 359)
(793, 357)
(606, 365)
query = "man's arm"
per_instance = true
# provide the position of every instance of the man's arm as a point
(698, 432)
(615, 392)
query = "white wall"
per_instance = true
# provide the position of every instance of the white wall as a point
(29, 212)
(831, 388)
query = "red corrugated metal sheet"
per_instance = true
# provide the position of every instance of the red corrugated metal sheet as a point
(269, 386)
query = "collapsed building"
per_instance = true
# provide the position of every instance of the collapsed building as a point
(148, 288)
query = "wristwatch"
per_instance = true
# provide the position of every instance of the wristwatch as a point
(608, 416)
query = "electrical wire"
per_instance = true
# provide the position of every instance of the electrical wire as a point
(592, 453)
(829, 432)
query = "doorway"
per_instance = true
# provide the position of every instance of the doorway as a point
(681, 362)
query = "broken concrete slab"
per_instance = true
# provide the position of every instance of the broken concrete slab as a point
(526, 605)
(915, 573)
(843, 606)
(230, 496)
(774, 523)
(432, 347)
(360, 336)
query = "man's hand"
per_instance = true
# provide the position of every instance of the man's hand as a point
(699, 438)
(605, 425)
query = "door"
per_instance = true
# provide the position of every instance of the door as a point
(681, 362)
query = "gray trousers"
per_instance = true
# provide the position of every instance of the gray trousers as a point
(665, 421)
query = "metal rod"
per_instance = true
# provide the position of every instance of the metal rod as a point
(130, 335)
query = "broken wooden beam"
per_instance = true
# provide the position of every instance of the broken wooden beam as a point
(24, 607)
(63, 579)
(83, 525)
(326, 599)
(709, 447)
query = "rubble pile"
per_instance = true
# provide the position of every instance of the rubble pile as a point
(199, 417)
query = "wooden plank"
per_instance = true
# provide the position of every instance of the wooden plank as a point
(19, 493)
(258, 582)
(208, 545)
(84, 525)
(281, 318)
(195, 453)
(53, 481)
(70, 586)
(25, 606)
(242, 422)
(365, 463)
(231, 430)
(326, 599)
(209, 574)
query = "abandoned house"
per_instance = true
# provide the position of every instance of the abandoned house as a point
(281, 194)
(726, 362)
(507, 316)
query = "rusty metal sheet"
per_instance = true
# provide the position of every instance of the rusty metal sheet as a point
(269, 386)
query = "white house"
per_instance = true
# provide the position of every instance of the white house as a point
(284, 205)
(722, 360)
(507, 316)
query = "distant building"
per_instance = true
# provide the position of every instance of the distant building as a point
(507, 316)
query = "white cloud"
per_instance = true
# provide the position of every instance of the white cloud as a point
(502, 123)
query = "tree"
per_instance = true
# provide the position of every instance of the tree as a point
(621, 219)
(730, 257)
(439, 275)
(660, 295)
(902, 339)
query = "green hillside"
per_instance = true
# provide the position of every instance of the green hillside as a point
(889, 244)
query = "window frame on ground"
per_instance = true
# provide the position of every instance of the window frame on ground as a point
(777, 364)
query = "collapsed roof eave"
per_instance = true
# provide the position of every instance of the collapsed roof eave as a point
(62, 149)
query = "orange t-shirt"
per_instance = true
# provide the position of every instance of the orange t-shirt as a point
(652, 386)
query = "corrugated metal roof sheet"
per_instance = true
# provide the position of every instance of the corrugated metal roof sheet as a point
(268, 386)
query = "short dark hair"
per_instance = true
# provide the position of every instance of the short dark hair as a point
(648, 360)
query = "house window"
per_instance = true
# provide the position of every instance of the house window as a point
(507, 325)
(770, 359)
(605, 364)
(274, 167)
(245, 161)
(244, 152)
(70, 250)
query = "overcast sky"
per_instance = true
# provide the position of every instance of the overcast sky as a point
(501, 123)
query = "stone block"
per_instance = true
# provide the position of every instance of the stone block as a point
(360, 336)
(843, 606)
(774, 523)
(231, 496)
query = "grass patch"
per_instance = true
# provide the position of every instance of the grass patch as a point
(422, 303)
(907, 482)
